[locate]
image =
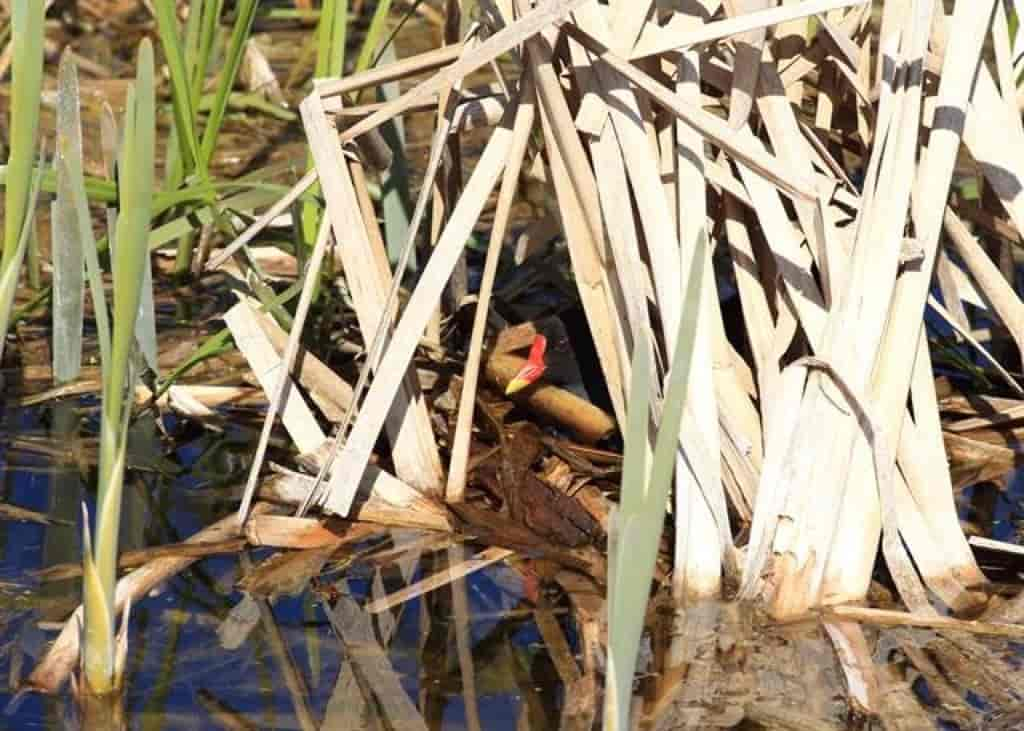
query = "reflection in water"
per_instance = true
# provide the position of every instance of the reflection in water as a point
(308, 658)
(490, 651)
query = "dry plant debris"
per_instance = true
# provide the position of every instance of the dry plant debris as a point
(733, 132)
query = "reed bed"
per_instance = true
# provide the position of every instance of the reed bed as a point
(730, 135)
(691, 135)
(786, 225)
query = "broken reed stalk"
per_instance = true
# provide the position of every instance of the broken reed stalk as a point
(355, 455)
(589, 423)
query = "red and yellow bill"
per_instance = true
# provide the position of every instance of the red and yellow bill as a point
(534, 368)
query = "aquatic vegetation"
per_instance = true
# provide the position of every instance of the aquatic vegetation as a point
(716, 235)
(189, 61)
(26, 86)
(643, 499)
(102, 666)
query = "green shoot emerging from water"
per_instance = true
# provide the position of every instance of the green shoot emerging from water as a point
(129, 261)
(636, 531)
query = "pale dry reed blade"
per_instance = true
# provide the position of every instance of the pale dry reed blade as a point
(712, 128)
(521, 129)
(356, 453)
(418, 64)
(632, 277)
(746, 66)
(388, 500)
(1000, 157)
(701, 517)
(1003, 300)
(893, 618)
(933, 492)
(457, 571)
(679, 33)
(786, 138)
(369, 280)
(383, 325)
(326, 388)
(578, 201)
(270, 370)
(948, 278)
(963, 58)
(284, 381)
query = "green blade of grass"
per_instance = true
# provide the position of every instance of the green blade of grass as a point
(675, 394)
(98, 645)
(208, 23)
(332, 32)
(181, 87)
(129, 260)
(245, 12)
(395, 197)
(26, 86)
(625, 609)
(643, 504)
(245, 201)
(98, 190)
(174, 172)
(249, 102)
(374, 35)
(332, 35)
(9, 277)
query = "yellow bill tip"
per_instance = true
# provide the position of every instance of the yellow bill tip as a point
(516, 384)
